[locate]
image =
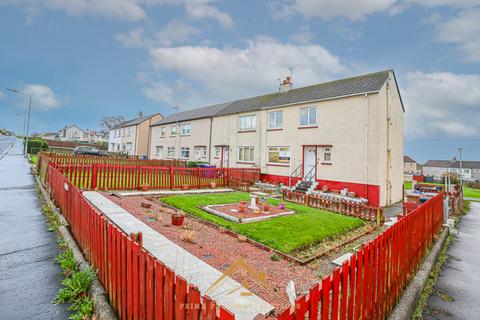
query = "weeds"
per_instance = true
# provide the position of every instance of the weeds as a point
(67, 262)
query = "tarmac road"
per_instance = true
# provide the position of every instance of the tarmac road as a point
(457, 291)
(29, 277)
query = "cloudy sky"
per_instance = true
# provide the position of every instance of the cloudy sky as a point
(82, 59)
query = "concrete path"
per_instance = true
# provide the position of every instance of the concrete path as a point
(29, 277)
(458, 286)
(191, 268)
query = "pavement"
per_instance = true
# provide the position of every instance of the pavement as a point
(457, 290)
(228, 292)
(29, 277)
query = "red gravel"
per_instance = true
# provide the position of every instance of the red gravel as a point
(248, 213)
(221, 250)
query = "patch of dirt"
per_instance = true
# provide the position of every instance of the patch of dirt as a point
(232, 209)
(222, 250)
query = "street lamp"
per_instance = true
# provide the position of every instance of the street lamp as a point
(28, 117)
(460, 149)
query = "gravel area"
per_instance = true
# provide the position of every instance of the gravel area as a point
(221, 250)
(232, 209)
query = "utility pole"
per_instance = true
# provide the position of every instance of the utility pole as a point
(460, 149)
(28, 116)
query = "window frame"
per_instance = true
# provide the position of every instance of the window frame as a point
(329, 153)
(189, 125)
(168, 152)
(157, 149)
(217, 152)
(251, 154)
(276, 118)
(252, 124)
(309, 123)
(163, 132)
(279, 149)
(182, 149)
(204, 153)
(172, 132)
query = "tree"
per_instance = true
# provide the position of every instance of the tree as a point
(109, 122)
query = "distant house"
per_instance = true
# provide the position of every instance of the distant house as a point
(49, 136)
(440, 168)
(410, 166)
(77, 134)
(132, 137)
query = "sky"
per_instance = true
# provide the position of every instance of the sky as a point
(82, 59)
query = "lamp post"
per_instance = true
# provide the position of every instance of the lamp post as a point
(460, 149)
(28, 116)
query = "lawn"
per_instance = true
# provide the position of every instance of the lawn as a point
(471, 193)
(286, 234)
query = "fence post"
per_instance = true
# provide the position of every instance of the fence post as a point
(137, 167)
(94, 177)
(172, 177)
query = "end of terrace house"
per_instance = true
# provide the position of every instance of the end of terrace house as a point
(346, 133)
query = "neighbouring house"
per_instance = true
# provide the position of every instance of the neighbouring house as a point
(50, 136)
(470, 170)
(77, 134)
(340, 134)
(410, 166)
(184, 135)
(132, 137)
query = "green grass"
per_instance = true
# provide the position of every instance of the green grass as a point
(287, 234)
(471, 193)
(33, 158)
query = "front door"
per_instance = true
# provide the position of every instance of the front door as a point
(310, 163)
(225, 156)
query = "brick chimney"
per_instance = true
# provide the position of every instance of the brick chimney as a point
(286, 85)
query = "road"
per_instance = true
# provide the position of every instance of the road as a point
(458, 286)
(29, 277)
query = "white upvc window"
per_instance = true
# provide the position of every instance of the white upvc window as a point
(246, 154)
(308, 116)
(280, 155)
(247, 122)
(173, 130)
(159, 151)
(185, 129)
(217, 152)
(185, 152)
(123, 132)
(118, 133)
(163, 132)
(327, 154)
(129, 132)
(171, 152)
(275, 120)
(200, 153)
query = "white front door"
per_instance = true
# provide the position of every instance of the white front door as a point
(160, 152)
(225, 156)
(310, 162)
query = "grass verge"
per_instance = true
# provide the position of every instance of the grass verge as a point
(76, 283)
(287, 234)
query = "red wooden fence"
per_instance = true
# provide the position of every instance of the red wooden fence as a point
(368, 285)
(138, 285)
(369, 213)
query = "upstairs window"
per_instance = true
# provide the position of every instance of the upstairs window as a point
(173, 130)
(248, 122)
(163, 132)
(185, 129)
(308, 116)
(275, 120)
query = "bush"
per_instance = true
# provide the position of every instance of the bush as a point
(36, 145)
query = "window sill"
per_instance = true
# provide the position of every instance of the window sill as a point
(326, 163)
(172, 136)
(246, 162)
(308, 127)
(185, 135)
(244, 131)
(274, 129)
(277, 165)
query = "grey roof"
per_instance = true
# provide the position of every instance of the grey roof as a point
(438, 163)
(366, 83)
(135, 121)
(193, 114)
(344, 87)
(466, 164)
(408, 159)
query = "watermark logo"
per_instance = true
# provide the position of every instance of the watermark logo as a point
(240, 264)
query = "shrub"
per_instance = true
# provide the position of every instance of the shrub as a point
(36, 145)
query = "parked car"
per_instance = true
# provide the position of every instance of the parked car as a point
(90, 151)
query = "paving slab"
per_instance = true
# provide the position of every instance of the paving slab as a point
(185, 264)
(172, 192)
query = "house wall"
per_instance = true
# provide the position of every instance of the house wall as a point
(410, 167)
(72, 133)
(116, 139)
(199, 136)
(143, 135)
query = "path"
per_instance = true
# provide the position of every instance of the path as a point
(185, 264)
(460, 276)
(29, 277)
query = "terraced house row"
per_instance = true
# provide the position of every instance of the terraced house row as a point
(341, 134)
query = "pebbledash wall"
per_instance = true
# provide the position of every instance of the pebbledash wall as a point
(358, 130)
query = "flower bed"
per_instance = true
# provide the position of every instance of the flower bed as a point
(233, 212)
